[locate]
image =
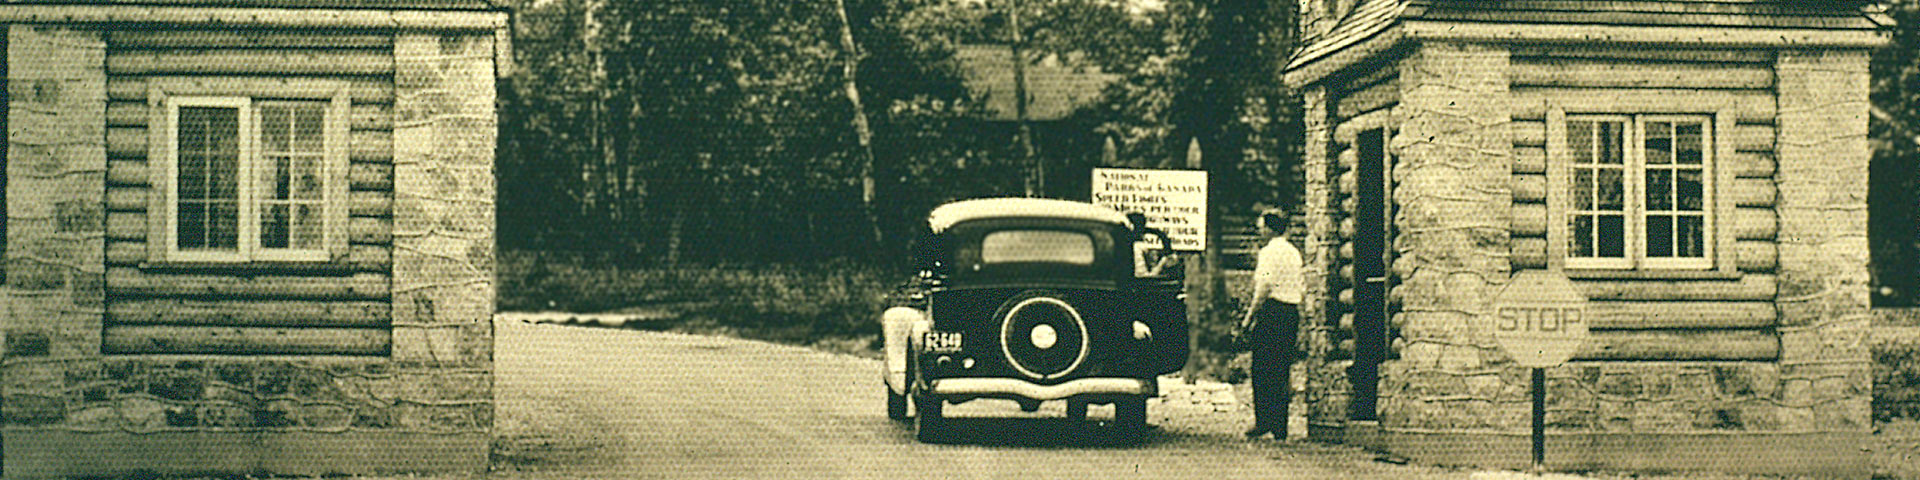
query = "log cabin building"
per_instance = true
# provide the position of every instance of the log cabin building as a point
(1697, 168)
(249, 236)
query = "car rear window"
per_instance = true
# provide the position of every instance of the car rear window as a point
(1025, 246)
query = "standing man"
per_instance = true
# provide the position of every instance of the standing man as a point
(1273, 321)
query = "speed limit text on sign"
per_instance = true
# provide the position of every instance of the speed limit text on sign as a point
(1539, 318)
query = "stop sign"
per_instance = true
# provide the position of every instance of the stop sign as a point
(1540, 318)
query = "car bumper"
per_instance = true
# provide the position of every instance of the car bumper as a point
(997, 387)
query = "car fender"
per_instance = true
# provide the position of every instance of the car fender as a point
(898, 325)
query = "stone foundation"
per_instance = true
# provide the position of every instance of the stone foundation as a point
(43, 453)
(1822, 454)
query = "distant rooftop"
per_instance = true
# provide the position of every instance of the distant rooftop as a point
(1053, 89)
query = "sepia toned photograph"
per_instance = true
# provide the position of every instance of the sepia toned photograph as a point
(982, 239)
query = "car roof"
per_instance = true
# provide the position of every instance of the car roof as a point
(947, 215)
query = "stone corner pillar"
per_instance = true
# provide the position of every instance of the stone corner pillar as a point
(56, 223)
(1328, 394)
(1823, 298)
(445, 127)
(1453, 160)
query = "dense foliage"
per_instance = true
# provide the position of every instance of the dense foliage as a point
(708, 130)
(719, 132)
(1894, 194)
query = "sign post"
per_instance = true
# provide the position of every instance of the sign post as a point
(1540, 320)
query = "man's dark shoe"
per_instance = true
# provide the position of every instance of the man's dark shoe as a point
(1256, 432)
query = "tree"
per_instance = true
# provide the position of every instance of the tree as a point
(1894, 205)
(1210, 70)
(717, 131)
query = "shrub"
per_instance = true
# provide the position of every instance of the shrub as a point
(1896, 373)
(798, 303)
(833, 305)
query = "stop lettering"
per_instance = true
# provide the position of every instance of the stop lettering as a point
(1539, 318)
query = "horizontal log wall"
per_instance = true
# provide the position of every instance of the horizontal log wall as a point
(1362, 102)
(337, 308)
(1653, 315)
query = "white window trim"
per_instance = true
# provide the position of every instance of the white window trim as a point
(1560, 166)
(162, 212)
(1630, 249)
(243, 106)
(1638, 164)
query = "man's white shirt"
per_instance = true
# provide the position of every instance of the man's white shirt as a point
(1277, 272)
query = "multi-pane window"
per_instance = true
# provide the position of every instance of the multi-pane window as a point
(249, 180)
(207, 176)
(1639, 192)
(288, 175)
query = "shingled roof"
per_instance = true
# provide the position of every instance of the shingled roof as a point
(1371, 18)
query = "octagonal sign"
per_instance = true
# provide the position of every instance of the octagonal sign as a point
(1540, 318)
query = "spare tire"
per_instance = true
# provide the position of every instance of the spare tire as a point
(1042, 336)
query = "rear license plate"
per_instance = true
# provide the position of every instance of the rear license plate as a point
(942, 342)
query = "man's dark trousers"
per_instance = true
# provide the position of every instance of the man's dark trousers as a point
(1277, 329)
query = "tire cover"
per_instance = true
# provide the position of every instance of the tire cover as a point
(1042, 336)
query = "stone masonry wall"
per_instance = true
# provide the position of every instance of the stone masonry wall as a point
(1327, 396)
(426, 407)
(1825, 366)
(1665, 397)
(1454, 156)
(444, 130)
(56, 168)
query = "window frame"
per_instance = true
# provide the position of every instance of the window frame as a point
(1630, 248)
(242, 107)
(1717, 212)
(162, 213)
(1708, 165)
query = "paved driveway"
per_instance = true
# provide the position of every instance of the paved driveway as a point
(581, 402)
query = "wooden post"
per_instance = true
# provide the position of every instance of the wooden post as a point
(1539, 420)
(1203, 276)
(1037, 181)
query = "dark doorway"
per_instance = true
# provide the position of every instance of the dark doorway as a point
(1369, 270)
(5, 140)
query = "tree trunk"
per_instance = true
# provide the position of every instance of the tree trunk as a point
(675, 229)
(864, 133)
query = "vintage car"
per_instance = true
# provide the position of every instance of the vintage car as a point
(1034, 300)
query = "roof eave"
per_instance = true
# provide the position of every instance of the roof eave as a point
(1317, 62)
(488, 19)
(1674, 35)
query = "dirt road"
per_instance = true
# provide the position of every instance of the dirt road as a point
(609, 403)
